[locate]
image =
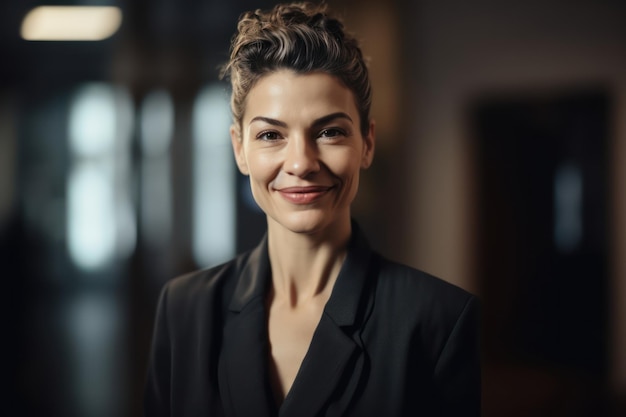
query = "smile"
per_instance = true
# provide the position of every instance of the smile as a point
(304, 195)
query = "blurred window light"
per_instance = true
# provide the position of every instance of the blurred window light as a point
(91, 215)
(214, 195)
(157, 123)
(156, 132)
(71, 23)
(156, 202)
(568, 193)
(93, 121)
(101, 221)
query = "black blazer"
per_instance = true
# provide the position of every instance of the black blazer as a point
(392, 341)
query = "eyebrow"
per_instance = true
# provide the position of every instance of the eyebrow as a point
(268, 120)
(325, 119)
(317, 122)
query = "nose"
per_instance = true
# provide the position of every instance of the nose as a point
(301, 156)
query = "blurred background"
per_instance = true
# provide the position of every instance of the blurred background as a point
(500, 167)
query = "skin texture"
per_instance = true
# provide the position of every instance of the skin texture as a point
(301, 146)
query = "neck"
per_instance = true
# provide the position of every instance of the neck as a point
(305, 266)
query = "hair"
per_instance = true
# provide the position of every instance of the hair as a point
(301, 37)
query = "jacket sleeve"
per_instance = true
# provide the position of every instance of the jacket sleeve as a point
(458, 371)
(157, 388)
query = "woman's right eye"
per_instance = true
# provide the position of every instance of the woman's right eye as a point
(268, 135)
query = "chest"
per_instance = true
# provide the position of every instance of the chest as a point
(290, 333)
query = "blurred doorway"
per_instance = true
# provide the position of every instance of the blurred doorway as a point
(543, 238)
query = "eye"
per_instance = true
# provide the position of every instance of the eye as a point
(268, 135)
(331, 133)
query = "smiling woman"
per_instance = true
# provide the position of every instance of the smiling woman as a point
(312, 322)
(302, 148)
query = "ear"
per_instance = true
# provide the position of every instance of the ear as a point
(240, 156)
(369, 142)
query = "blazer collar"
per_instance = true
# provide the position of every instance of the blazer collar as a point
(254, 279)
(334, 361)
(346, 297)
(243, 364)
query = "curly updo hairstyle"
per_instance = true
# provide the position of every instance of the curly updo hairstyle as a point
(301, 37)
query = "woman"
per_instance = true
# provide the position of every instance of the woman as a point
(312, 322)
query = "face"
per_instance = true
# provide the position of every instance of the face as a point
(301, 145)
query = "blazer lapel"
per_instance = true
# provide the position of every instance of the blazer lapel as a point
(243, 372)
(321, 371)
(334, 362)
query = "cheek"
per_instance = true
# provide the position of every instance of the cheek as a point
(262, 167)
(346, 165)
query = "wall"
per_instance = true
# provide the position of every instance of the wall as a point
(457, 50)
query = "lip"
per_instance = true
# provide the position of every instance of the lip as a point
(304, 195)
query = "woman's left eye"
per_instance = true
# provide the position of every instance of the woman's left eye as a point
(331, 133)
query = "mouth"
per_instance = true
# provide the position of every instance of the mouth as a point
(304, 195)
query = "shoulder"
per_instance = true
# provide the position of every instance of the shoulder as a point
(201, 289)
(203, 280)
(410, 292)
(428, 307)
(394, 276)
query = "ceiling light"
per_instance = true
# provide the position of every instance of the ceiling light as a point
(71, 23)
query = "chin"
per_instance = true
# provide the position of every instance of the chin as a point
(303, 222)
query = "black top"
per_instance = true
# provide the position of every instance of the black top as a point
(392, 341)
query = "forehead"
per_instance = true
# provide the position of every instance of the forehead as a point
(286, 94)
